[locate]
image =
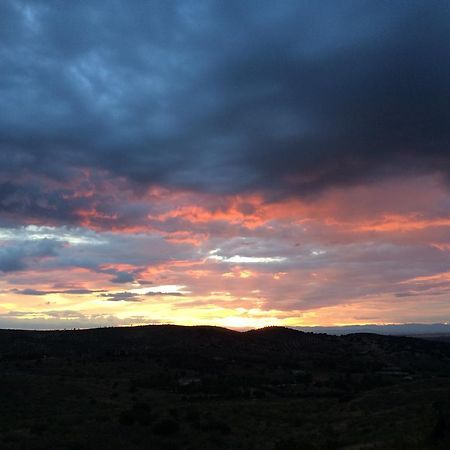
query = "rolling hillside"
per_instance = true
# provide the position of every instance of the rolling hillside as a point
(208, 387)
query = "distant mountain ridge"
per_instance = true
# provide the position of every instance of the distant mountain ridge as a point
(406, 329)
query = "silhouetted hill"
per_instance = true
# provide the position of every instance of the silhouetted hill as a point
(273, 344)
(165, 386)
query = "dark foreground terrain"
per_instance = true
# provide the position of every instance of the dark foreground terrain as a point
(168, 387)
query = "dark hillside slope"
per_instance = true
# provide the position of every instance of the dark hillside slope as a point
(271, 345)
(202, 387)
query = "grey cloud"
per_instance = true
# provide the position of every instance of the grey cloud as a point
(144, 282)
(81, 291)
(133, 297)
(123, 277)
(16, 257)
(121, 297)
(38, 292)
(167, 294)
(30, 291)
(136, 250)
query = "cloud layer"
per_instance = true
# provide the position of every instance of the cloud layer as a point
(273, 163)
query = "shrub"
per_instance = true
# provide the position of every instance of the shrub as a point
(166, 427)
(127, 418)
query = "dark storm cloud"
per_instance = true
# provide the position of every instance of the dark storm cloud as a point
(218, 96)
(37, 198)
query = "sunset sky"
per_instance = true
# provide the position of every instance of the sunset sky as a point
(233, 163)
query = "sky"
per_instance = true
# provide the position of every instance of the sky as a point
(239, 163)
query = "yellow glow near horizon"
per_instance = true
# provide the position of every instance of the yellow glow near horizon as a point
(220, 308)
